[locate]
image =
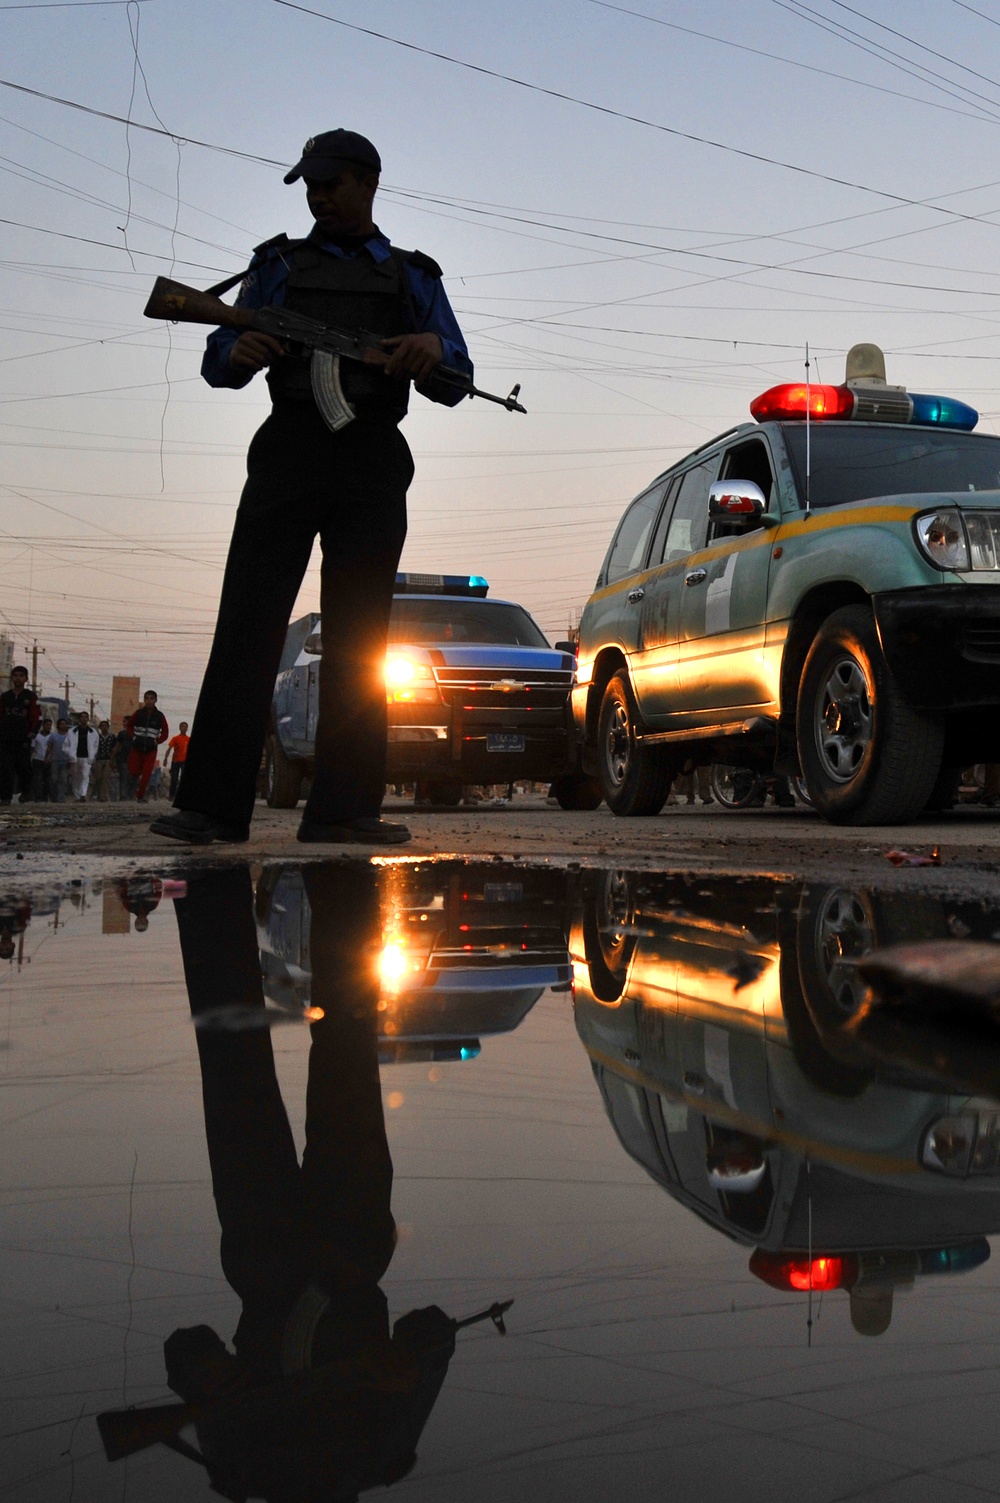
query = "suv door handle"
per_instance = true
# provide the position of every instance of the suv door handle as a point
(634, 596)
(696, 576)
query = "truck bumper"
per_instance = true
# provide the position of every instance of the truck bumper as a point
(942, 644)
(459, 751)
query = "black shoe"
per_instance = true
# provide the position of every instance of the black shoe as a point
(199, 829)
(369, 830)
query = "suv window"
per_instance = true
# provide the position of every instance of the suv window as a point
(628, 551)
(424, 621)
(659, 536)
(689, 523)
(860, 462)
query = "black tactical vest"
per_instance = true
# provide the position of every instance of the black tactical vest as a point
(352, 293)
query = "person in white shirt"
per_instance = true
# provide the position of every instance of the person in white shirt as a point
(40, 765)
(83, 742)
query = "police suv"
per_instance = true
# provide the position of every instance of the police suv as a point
(818, 593)
(475, 694)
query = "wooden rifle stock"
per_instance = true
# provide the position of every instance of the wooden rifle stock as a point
(126, 1431)
(186, 305)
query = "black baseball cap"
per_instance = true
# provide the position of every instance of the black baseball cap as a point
(322, 156)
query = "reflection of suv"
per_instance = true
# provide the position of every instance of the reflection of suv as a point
(475, 695)
(706, 1013)
(806, 597)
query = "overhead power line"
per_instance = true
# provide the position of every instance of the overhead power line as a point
(975, 12)
(153, 130)
(603, 109)
(790, 62)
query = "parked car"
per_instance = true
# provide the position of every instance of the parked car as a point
(475, 694)
(816, 593)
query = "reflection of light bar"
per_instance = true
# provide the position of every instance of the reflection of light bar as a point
(446, 1050)
(818, 1274)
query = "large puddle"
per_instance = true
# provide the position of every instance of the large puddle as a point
(269, 1137)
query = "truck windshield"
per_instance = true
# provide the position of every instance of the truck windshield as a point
(854, 462)
(428, 621)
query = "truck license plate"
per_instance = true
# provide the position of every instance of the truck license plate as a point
(503, 892)
(504, 741)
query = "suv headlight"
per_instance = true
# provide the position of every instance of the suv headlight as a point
(962, 1145)
(942, 539)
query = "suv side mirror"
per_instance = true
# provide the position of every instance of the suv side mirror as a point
(313, 645)
(569, 647)
(735, 501)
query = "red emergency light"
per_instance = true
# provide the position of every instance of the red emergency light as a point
(819, 1274)
(791, 401)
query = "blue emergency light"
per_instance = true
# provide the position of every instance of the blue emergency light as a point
(954, 1259)
(441, 584)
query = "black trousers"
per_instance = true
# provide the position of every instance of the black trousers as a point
(349, 488)
(329, 1220)
(15, 767)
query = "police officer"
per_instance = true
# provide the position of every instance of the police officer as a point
(303, 479)
(19, 718)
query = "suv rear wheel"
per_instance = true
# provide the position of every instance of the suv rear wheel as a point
(635, 778)
(867, 757)
(282, 777)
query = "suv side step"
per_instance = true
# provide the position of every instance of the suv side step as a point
(757, 725)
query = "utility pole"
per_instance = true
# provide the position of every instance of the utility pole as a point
(67, 695)
(34, 665)
(91, 707)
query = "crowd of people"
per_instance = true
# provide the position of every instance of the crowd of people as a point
(74, 760)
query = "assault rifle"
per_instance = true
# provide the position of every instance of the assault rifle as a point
(179, 304)
(126, 1431)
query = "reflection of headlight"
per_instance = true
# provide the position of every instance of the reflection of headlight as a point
(393, 964)
(963, 1145)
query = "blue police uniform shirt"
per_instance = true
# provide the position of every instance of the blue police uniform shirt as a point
(264, 286)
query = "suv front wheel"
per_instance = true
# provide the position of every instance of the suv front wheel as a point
(282, 776)
(867, 757)
(635, 779)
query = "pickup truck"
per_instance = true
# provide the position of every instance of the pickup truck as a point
(475, 695)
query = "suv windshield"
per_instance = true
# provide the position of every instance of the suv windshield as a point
(855, 462)
(446, 619)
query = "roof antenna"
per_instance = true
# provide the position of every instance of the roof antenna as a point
(808, 433)
(809, 1202)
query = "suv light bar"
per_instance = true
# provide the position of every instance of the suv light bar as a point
(441, 584)
(872, 404)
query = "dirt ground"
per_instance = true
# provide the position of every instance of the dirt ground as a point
(50, 841)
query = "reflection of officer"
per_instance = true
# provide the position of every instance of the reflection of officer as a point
(303, 479)
(319, 1401)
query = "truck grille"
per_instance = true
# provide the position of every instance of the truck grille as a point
(542, 688)
(982, 640)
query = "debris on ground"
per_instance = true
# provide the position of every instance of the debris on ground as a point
(912, 858)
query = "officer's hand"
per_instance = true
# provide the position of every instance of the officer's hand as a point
(413, 355)
(252, 351)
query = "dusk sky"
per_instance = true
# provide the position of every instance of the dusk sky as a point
(641, 284)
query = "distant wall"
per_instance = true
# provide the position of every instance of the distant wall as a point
(124, 698)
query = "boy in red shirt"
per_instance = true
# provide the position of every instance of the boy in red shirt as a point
(148, 729)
